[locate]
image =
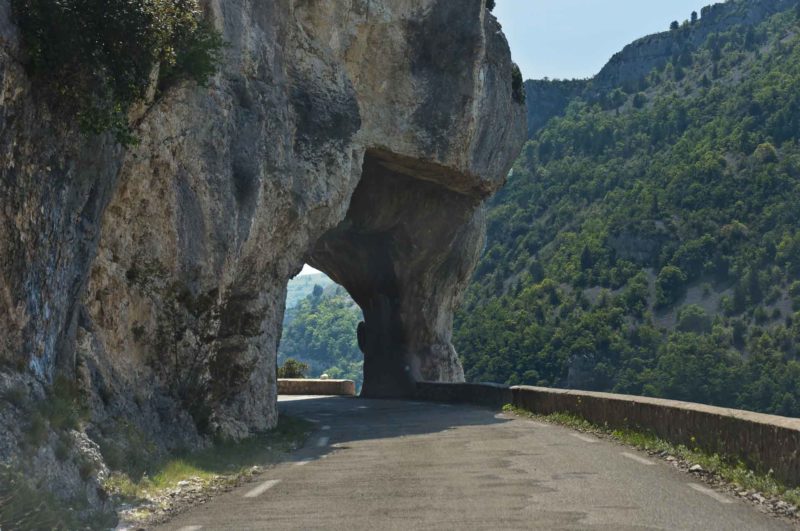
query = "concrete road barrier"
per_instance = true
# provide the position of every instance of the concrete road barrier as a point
(308, 386)
(763, 442)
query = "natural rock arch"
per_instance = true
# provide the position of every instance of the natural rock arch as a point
(405, 252)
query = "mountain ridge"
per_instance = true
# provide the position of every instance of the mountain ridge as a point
(628, 67)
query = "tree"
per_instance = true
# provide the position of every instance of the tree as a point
(754, 286)
(318, 291)
(670, 285)
(750, 38)
(674, 26)
(517, 85)
(586, 258)
(693, 318)
(639, 100)
(617, 98)
(766, 152)
(490, 4)
(292, 368)
(694, 17)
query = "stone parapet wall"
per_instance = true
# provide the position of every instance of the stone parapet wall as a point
(763, 442)
(302, 386)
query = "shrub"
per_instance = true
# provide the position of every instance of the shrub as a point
(517, 85)
(94, 60)
(490, 4)
(766, 152)
(293, 369)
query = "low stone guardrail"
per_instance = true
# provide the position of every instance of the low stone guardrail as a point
(763, 442)
(310, 386)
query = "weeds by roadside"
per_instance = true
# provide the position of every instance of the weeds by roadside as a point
(730, 471)
(175, 484)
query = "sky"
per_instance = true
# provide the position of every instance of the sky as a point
(566, 39)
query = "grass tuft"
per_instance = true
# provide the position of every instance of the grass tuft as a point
(226, 459)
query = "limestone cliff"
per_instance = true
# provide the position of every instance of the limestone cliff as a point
(359, 135)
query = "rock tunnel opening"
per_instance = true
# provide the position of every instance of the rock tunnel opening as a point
(319, 330)
(404, 253)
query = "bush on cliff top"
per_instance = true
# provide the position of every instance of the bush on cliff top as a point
(96, 58)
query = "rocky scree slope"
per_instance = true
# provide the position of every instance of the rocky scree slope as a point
(361, 137)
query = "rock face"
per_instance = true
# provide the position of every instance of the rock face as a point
(359, 135)
(549, 98)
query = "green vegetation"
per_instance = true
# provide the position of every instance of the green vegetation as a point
(25, 507)
(95, 60)
(730, 470)
(223, 459)
(292, 368)
(648, 242)
(63, 409)
(517, 85)
(302, 286)
(320, 331)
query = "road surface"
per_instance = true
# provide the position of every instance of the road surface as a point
(385, 464)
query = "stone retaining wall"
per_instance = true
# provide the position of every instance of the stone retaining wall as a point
(763, 442)
(303, 386)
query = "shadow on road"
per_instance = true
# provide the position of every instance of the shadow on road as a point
(346, 419)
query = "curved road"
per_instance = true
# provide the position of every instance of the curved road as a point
(385, 464)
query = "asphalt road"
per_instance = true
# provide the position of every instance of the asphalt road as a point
(381, 464)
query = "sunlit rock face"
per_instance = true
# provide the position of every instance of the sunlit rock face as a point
(360, 136)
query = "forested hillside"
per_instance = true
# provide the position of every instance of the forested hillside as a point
(302, 286)
(648, 241)
(320, 330)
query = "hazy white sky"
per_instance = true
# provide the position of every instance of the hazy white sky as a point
(567, 39)
(307, 270)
